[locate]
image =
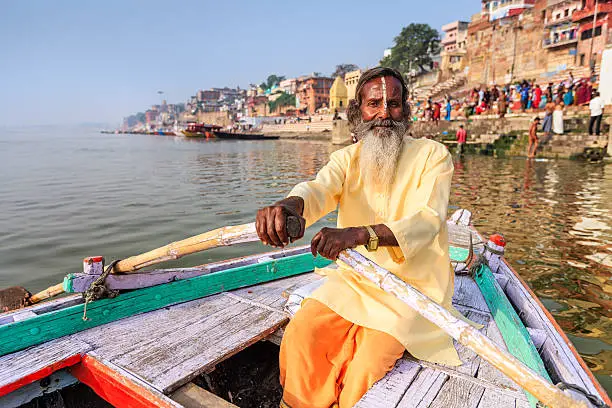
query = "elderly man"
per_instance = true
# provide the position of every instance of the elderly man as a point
(392, 194)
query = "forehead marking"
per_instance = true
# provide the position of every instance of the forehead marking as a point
(384, 90)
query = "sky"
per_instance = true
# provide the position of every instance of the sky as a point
(74, 62)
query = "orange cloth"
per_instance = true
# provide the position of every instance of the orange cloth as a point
(325, 359)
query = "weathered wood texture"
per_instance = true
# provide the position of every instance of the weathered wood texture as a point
(18, 335)
(26, 366)
(192, 396)
(511, 327)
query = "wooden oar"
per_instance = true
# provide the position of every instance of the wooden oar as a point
(463, 332)
(212, 239)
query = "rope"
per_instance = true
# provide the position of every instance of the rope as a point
(98, 290)
(593, 399)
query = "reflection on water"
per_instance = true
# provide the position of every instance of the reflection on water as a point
(71, 194)
(557, 219)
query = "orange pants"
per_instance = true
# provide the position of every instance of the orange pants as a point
(326, 360)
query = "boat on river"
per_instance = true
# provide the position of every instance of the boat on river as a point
(152, 347)
(244, 136)
(200, 130)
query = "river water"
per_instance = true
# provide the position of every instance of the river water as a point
(70, 193)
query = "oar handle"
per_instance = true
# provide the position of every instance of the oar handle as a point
(224, 236)
(461, 331)
(220, 237)
(47, 293)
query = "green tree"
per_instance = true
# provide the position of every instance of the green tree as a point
(284, 99)
(416, 43)
(271, 81)
(342, 69)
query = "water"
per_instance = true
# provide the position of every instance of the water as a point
(70, 193)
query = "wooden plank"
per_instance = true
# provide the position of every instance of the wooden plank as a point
(510, 325)
(471, 360)
(118, 386)
(503, 397)
(423, 389)
(458, 393)
(556, 354)
(169, 347)
(468, 294)
(19, 335)
(389, 390)
(27, 366)
(192, 396)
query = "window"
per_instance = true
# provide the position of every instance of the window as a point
(566, 12)
(589, 33)
(340, 103)
(581, 59)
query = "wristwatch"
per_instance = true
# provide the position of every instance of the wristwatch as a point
(373, 241)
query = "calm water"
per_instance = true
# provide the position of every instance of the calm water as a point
(70, 193)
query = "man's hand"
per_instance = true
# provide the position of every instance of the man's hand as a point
(271, 221)
(329, 242)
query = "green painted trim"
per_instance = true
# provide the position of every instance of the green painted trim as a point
(458, 254)
(512, 329)
(67, 283)
(36, 330)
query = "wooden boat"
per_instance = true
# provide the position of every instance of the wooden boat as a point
(156, 342)
(244, 136)
(200, 130)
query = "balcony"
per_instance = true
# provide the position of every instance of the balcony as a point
(548, 43)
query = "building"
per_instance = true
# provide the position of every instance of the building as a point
(504, 42)
(289, 85)
(338, 97)
(313, 93)
(454, 48)
(350, 81)
(594, 31)
(560, 34)
(501, 9)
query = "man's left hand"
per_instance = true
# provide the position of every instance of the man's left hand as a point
(329, 242)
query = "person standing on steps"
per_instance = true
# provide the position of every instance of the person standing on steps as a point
(533, 138)
(596, 106)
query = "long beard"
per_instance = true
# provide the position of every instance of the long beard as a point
(379, 157)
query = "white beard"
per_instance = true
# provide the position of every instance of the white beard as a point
(378, 159)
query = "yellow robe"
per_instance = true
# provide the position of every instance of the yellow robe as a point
(415, 211)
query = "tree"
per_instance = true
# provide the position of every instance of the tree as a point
(342, 69)
(271, 81)
(284, 99)
(416, 43)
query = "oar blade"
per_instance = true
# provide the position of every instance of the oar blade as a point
(13, 298)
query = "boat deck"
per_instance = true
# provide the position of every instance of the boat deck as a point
(163, 350)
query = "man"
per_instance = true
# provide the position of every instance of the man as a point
(596, 106)
(392, 195)
(461, 139)
(533, 138)
(524, 96)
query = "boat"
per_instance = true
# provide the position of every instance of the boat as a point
(243, 136)
(200, 130)
(159, 346)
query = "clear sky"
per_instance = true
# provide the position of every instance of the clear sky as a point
(69, 62)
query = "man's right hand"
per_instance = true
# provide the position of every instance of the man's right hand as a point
(271, 221)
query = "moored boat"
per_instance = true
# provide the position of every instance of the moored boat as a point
(152, 358)
(200, 130)
(244, 136)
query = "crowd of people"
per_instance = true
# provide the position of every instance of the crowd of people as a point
(523, 96)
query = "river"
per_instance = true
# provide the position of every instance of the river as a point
(68, 193)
